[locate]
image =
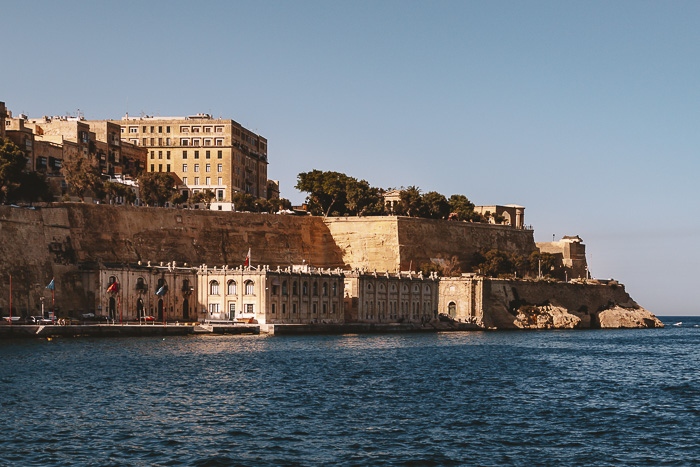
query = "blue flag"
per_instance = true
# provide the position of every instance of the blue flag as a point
(51, 285)
(162, 290)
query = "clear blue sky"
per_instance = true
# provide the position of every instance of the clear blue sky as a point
(585, 112)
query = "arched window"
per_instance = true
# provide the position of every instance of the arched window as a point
(315, 288)
(284, 288)
(250, 288)
(295, 290)
(305, 288)
(214, 288)
(426, 288)
(324, 289)
(335, 289)
(140, 285)
(232, 289)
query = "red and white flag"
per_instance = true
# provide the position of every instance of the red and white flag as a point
(246, 263)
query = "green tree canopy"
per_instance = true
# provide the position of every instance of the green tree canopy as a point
(82, 175)
(12, 163)
(157, 188)
(435, 205)
(327, 191)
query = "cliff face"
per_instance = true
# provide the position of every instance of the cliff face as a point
(556, 305)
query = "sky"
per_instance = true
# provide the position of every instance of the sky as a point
(585, 112)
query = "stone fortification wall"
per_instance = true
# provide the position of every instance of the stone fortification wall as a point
(402, 243)
(51, 242)
(435, 241)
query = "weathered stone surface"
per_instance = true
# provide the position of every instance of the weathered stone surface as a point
(619, 317)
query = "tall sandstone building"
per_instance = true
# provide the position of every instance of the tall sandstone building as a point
(204, 152)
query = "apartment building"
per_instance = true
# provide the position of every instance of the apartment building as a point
(204, 152)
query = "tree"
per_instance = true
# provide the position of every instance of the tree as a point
(157, 188)
(12, 163)
(362, 199)
(32, 187)
(462, 209)
(327, 191)
(435, 205)
(243, 202)
(411, 202)
(82, 175)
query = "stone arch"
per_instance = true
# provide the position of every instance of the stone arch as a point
(452, 309)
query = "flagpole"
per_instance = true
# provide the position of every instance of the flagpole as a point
(10, 299)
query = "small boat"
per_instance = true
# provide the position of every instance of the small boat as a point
(678, 323)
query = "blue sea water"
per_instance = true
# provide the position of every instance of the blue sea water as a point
(604, 397)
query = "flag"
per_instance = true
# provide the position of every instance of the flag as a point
(246, 263)
(113, 287)
(51, 285)
(160, 292)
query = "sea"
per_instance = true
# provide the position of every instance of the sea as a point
(551, 398)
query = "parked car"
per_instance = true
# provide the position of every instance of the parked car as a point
(12, 319)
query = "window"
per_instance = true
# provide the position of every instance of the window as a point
(143, 130)
(160, 129)
(284, 308)
(207, 129)
(335, 289)
(207, 168)
(167, 141)
(275, 289)
(219, 167)
(294, 308)
(160, 167)
(145, 142)
(219, 142)
(214, 288)
(220, 181)
(183, 142)
(249, 308)
(184, 180)
(250, 288)
(232, 288)
(167, 154)
(207, 181)
(167, 168)
(196, 180)
(195, 141)
(324, 289)
(133, 129)
(196, 167)
(152, 128)
(294, 288)
(184, 167)
(160, 154)
(231, 310)
(220, 194)
(167, 129)
(207, 142)
(153, 168)
(196, 154)
(272, 310)
(284, 288)
(195, 129)
(219, 154)
(315, 288)
(207, 154)
(213, 308)
(219, 129)
(184, 154)
(153, 154)
(184, 129)
(314, 308)
(305, 288)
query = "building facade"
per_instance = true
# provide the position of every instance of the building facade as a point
(404, 297)
(205, 153)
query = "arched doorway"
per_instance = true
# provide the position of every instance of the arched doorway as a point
(186, 309)
(160, 309)
(452, 310)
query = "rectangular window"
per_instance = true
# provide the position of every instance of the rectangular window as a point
(207, 141)
(133, 129)
(153, 141)
(249, 308)
(195, 141)
(208, 154)
(207, 168)
(184, 167)
(167, 168)
(220, 193)
(160, 167)
(219, 129)
(160, 129)
(207, 129)
(219, 167)
(152, 168)
(213, 308)
(167, 141)
(195, 129)
(196, 167)
(207, 181)
(220, 181)
(272, 309)
(167, 155)
(184, 142)
(294, 308)
(219, 154)
(184, 180)
(167, 129)
(231, 310)
(184, 154)
(160, 141)
(284, 308)
(196, 154)
(152, 129)
(219, 142)
(143, 130)
(196, 180)
(145, 142)
(184, 129)
(153, 154)
(160, 154)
